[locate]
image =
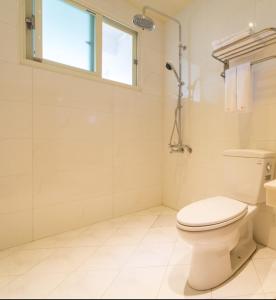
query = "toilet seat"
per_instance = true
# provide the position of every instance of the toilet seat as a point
(210, 214)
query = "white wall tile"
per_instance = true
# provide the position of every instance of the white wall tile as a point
(8, 11)
(15, 194)
(97, 209)
(56, 89)
(15, 120)
(15, 157)
(15, 229)
(75, 185)
(9, 49)
(15, 82)
(56, 219)
(68, 143)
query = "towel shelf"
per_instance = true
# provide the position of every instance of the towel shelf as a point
(246, 46)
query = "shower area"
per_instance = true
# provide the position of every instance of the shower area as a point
(146, 23)
(76, 151)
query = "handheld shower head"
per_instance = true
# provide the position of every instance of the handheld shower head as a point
(171, 67)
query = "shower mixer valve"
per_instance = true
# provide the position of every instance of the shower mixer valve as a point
(180, 148)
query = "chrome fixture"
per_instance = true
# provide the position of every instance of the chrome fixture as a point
(171, 67)
(246, 46)
(146, 23)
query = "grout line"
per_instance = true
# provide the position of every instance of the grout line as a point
(33, 155)
(166, 270)
(25, 273)
(69, 274)
(9, 283)
(112, 160)
(260, 280)
(119, 272)
(136, 246)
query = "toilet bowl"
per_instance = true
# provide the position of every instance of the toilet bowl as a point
(220, 229)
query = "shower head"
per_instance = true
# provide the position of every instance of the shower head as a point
(144, 22)
(171, 67)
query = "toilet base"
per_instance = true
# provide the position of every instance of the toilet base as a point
(212, 267)
(241, 255)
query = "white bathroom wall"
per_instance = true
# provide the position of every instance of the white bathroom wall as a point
(207, 128)
(75, 151)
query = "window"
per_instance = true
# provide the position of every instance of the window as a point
(64, 33)
(68, 35)
(119, 53)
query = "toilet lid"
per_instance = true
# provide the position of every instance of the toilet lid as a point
(218, 211)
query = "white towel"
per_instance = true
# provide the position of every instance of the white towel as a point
(244, 88)
(231, 90)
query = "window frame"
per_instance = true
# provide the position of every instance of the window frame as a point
(26, 41)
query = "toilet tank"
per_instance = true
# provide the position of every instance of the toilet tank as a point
(245, 172)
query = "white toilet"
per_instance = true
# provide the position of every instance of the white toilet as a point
(220, 229)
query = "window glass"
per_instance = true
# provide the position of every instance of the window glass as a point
(118, 54)
(68, 34)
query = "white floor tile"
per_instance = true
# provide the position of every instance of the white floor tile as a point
(244, 283)
(22, 261)
(64, 260)
(161, 235)
(254, 296)
(32, 286)
(85, 285)
(126, 236)
(266, 269)
(270, 296)
(5, 280)
(182, 254)
(107, 225)
(47, 243)
(101, 234)
(141, 222)
(175, 286)
(151, 255)
(165, 221)
(84, 239)
(264, 252)
(108, 257)
(57, 241)
(157, 211)
(116, 222)
(136, 283)
(8, 252)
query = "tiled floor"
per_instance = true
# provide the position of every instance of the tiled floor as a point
(136, 256)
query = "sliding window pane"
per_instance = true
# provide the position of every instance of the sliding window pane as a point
(118, 54)
(68, 34)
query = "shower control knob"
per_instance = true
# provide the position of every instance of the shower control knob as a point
(268, 168)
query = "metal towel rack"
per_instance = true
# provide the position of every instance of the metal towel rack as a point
(246, 46)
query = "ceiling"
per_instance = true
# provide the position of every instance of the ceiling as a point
(170, 7)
